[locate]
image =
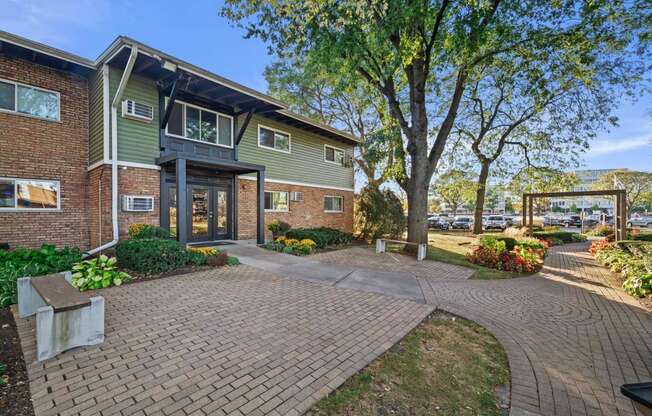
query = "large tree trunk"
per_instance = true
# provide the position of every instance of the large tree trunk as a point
(479, 197)
(418, 203)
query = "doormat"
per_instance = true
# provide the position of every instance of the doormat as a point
(212, 244)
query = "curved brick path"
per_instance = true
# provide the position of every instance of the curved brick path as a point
(572, 338)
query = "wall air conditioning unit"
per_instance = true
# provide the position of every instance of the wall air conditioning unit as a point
(138, 111)
(296, 196)
(136, 203)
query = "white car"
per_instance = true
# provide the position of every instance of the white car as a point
(640, 222)
(495, 222)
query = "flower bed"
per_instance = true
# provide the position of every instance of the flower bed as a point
(525, 256)
(632, 259)
(292, 246)
(557, 238)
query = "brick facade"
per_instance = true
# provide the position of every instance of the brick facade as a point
(131, 181)
(308, 213)
(33, 148)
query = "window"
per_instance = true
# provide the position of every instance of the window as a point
(28, 194)
(333, 204)
(31, 101)
(333, 155)
(273, 139)
(194, 123)
(277, 201)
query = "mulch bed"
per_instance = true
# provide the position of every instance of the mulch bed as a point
(14, 391)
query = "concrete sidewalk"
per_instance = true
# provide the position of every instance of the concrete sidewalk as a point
(388, 274)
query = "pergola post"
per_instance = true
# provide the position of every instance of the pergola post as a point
(616, 199)
(531, 216)
(623, 215)
(524, 211)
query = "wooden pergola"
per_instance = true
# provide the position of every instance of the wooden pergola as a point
(620, 207)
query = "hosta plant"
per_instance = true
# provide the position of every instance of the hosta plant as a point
(97, 273)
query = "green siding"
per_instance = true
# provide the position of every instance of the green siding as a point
(96, 118)
(305, 163)
(138, 141)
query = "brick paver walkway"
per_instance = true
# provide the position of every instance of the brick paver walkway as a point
(225, 341)
(572, 337)
(247, 341)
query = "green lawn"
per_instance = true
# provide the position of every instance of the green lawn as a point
(445, 366)
(452, 246)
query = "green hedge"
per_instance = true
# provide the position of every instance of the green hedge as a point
(643, 237)
(322, 236)
(510, 242)
(563, 236)
(25, 262)
(151, 231)
(152, 256)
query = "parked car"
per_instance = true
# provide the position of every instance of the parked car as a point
(572, 221)
(551, 221)
(495, 222)
(640, 222)
(437, 223)
(462, 223)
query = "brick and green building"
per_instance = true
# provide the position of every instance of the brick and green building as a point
(139, 136)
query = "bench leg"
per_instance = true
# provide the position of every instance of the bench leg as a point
(58, 332)
(29, 301)
(380, 246)
(45, 343)
(422, 251)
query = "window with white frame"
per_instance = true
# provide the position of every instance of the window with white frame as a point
(273, 139)
(277, 201)
(333, 203)
(333, 155)
(32, 101)
(195, 123)
(28, 194)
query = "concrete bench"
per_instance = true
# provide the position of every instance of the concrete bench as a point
(422, 249)
(65, 318)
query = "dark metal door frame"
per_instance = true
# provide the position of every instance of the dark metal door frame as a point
(212, 191)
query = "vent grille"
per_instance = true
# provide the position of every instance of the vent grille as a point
(132, 203)
(296, 196)
(137, 110)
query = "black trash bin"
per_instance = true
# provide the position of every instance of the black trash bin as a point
(641, 394)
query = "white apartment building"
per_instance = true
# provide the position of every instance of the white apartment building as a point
(587, 178)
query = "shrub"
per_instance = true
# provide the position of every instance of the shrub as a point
(378, 213)
(146, 231)
(97, 273)
(151, 256)
(292, 246)
(24, 262)
(206, 251)
(217, 260)
(510, 242)
(322, 236)
(643, 237)
(196, 258)
(232, 261)
(278, 227)
(556, 237)
(639, 286)
(601, 231)
(526, 255)
(492, 244)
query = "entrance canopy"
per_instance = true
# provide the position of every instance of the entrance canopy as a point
(620, 207)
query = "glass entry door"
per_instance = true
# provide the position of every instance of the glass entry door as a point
(209, 212)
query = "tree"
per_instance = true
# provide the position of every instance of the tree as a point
(636, 184)
(455, 188)
(534, 180)
(493, 197)
(420, 56)
(379, 214)
(509, 207)
(340, 101)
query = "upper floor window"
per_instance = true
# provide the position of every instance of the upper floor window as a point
(28, 194)
(194, 123)
(333, 155)
(273, 139)
(32, 101)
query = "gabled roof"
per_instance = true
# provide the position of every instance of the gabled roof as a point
(50, 56)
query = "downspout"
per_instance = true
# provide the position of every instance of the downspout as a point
(114, 150)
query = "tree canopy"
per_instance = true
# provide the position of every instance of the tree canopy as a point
(638, 185)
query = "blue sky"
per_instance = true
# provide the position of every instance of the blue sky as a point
(195, 33)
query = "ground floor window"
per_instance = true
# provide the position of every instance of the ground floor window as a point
(333, 203)
(277, 201)
(28, 194)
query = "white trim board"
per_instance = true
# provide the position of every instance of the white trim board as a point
(310, 185)
(123, 163)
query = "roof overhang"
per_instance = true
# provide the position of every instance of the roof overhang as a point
(39, 53)
(224, 165)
